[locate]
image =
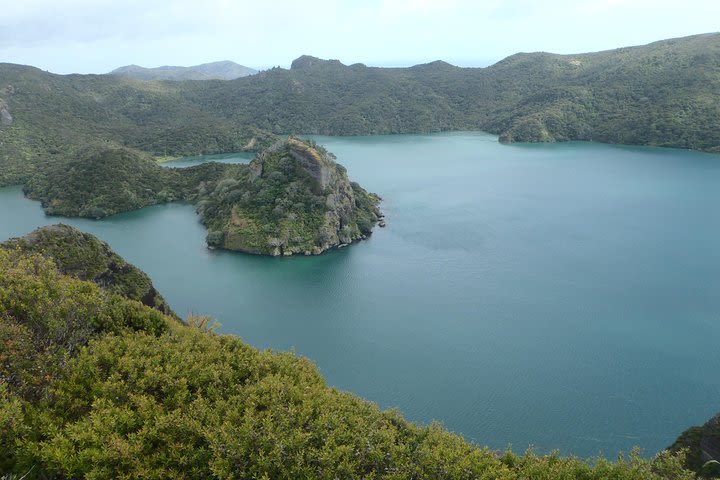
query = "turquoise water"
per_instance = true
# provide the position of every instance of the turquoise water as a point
(240, 157)
(564, 296)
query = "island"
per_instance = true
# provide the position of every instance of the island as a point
(293, 198)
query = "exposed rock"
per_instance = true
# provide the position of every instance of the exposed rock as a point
(318, 166)
(703, 447)
(294, 200)
(710, 441)
(5, 117)
(307, 61)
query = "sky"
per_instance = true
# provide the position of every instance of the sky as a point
(96, 36)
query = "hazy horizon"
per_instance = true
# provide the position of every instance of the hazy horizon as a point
(97, 36)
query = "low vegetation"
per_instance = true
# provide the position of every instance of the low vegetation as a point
(82, 256)
(96, 385)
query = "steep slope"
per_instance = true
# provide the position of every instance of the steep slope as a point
(224, 70)
(703, 444)
(93, 385)
(82, 256)
(54, 115)
(293, 199)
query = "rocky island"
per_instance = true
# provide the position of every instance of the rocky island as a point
(292, 199)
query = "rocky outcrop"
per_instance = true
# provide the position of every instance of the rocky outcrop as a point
(85, 257)
(295, 199)
(307, 61)
(703, 448)
(5, 117)
(710, 441)
(320, 167)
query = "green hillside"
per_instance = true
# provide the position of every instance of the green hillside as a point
(55, 116)
(666, 93)
(58, 132)
(81, 255)
(96, 385)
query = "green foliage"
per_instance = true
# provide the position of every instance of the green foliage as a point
(101, 181)
(136, 395)
(83, 256)
(662, 94)
(293, 198)
(46, 317)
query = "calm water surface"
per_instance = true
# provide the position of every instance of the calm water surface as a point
(565, 296)
(240, 157)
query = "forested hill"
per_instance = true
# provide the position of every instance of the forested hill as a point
(666, 93)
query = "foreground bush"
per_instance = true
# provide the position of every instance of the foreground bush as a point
(130, 393)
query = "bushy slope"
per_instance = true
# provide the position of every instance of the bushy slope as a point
(93, 385)
(101, 181)
(81, 255)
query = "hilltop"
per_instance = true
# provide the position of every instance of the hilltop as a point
(292, 199)
(224, 70)
(661, 94)
(82, 256)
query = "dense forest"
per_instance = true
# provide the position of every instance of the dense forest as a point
(95, 384)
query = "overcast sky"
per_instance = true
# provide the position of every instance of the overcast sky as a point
(95, 36)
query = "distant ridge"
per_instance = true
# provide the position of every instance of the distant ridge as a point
(225, 70)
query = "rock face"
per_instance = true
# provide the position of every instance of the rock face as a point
(710, 441)
(5, 117)
(85, 257)
(294, 200)
(703, 446)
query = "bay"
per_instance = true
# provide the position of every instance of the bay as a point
(562, 295)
